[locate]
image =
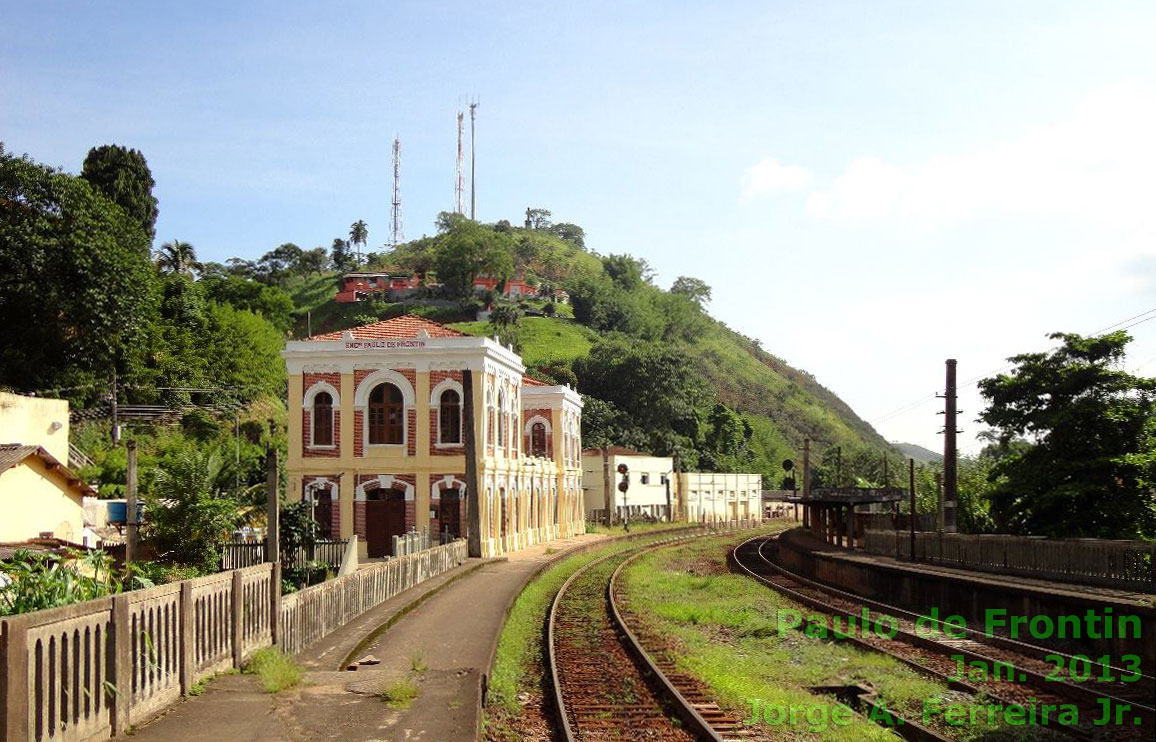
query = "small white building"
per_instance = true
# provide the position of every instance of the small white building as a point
(651, 484)
(712, 496)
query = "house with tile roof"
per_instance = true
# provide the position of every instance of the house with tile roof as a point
(39, 496)
(376, 440)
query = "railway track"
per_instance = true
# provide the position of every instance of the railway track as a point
(605, 685)
(1031, 678)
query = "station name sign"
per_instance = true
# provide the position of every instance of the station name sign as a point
(383, 344)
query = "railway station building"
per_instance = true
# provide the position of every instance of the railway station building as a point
(376, 440)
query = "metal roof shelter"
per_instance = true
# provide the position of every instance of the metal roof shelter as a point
(830, 511)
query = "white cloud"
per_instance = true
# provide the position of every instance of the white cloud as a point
(770, 176)
(1099, 162)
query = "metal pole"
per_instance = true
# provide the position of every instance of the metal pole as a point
(911, 483)
(473, 159)
(807, 514)
(473, 492)
(130, 544)
(950, 452)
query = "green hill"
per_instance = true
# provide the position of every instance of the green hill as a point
(776, 404)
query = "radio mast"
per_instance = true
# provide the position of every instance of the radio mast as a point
(460, 182)
(473, 160)
(395, 236)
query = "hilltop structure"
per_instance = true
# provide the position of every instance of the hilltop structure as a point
(376, 439)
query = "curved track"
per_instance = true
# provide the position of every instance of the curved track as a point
(605, 685)
(932, 655)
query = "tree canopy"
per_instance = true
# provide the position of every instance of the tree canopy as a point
(123, 176)
(1090, 466)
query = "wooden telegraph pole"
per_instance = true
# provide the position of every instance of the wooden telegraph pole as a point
(272, 508)
(473, 493)
(131, 515)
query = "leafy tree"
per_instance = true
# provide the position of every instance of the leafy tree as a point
(123, 176)
(77, 289)
(179, 258)
(571, 233)
(271, 302)
(682, 317)
(448, 221)
(470, 250)
(341, 256)
(244, 352)
(359, 235)
(627, 272)
(603, 424)
(693, 288)
(505, 319)
(1091, 468)
(655, 384)
(189, 512)
(538, 219)
(312, 261)
(276, 264)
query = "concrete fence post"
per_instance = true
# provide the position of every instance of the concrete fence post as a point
(188, 638)
(275, 604)
(14, 679)
(121, 663)
(238, 623)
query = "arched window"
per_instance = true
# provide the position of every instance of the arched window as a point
(386, 415)
(450, 417)
(323, 419)
(538, 439)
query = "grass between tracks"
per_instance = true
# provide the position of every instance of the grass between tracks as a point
(518, 671)
(722, 630)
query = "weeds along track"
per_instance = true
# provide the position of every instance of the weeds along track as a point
(605, 685)
(1027, 681)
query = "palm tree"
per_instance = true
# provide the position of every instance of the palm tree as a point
(358, 235)
(178, 257)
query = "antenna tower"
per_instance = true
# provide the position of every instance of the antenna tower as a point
(395, 235)
(460, 182)
(473, 158)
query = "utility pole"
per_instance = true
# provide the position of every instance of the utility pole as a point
(607, 489)
(473, 504)
(806, 482)
(473, 161)
(838, 466)
(395, 236)
(272, 508)
(132, 518)
(911, 484)
(938, 501)
(950, 452)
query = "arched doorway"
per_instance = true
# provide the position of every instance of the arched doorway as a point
(450, 512)
(384, 519)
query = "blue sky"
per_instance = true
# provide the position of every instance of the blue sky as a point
(869, 187)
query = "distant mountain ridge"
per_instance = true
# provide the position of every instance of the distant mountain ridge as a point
(917, 452)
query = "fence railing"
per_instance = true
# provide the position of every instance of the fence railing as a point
(1130, 565)
(317, 611)
(90, 670)
(241, 554)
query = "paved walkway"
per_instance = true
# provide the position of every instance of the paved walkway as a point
(450, 634)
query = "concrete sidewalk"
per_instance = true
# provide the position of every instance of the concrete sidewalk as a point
(450, 631)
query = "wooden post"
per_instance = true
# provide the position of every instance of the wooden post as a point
(121, 631)
(473, 491)
(607, 489)
(131, 516)
(911, 483)
(272, 508)
(188, 637)
(14, 678)
(275, 601)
